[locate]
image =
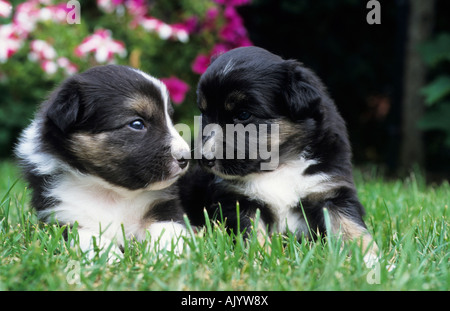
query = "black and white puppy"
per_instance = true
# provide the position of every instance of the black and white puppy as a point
(313, 169)
(102, 151)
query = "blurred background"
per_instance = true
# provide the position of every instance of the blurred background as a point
(390, 79)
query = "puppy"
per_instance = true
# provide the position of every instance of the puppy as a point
(102, 151)
(310, 169)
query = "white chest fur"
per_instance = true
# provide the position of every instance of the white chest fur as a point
(282, 190)
(93, 203)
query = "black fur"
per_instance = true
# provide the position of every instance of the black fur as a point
(279, 91)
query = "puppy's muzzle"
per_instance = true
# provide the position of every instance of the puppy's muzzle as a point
(209, 150)
(180, 151)
(182, 159)
(208, 162)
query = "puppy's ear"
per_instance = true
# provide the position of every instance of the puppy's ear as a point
(304, 92)
(64, 105)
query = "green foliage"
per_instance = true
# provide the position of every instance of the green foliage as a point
(437, 90)
(436, 50)
(436, 54)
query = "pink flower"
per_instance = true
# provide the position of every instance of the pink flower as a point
(165, 31)
(212, 13)
(102, 44)
(219, 49)
(46, 55)
(234, 31)
(177, 89)
(232, 15)
(29, 13)
(107, 6)
(25, 18)
(190, 24)
(202, 61)
(5, 8)
(244, 41)
(180, 32)
(10, 42)
(56, 13)
(136, 7)
(68, 67)
(41, 50)
(149, 23)
(49, 66)
(211, 18)
(200, 64)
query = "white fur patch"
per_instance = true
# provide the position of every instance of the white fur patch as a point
(179, 146)
(86, 244)
(282, 190)
(167, 235)
(29, 150)
(158, 83)
(98, 206)
(228, 67)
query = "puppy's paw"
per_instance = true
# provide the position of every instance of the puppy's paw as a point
(168, 235)
(94, 245)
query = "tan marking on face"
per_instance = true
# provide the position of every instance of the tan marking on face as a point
(288, 129)
(233, 98)
(202, 103)
(95, 150)
(143, 106)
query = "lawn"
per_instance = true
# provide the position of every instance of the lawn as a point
(408, 219)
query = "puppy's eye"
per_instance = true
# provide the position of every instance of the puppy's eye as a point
(137, 125)
(243, 115)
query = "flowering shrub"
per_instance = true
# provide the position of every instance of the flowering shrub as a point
(40, 44)
(103, 45)
(10, 42)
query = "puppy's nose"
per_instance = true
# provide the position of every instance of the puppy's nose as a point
(209, 162)
(182, 157)
(180, 151)
(182, 162)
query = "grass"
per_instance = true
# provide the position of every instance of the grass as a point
(407, 217)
